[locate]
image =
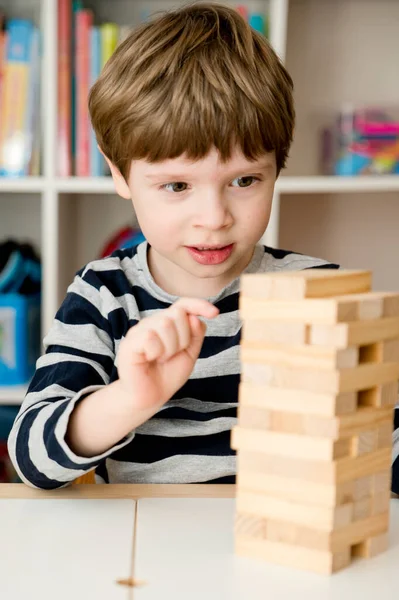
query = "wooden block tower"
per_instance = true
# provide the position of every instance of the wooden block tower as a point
(320, 370)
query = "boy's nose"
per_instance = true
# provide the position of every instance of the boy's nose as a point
(213, 214)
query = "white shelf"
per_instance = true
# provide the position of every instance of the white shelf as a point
(23, 184)
(12, 395)
(285, 184)
(83, 185)
(320, 184)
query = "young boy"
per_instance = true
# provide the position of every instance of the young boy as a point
(194, 114)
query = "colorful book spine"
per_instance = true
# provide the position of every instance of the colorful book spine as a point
(109, 41)
(33, 122)
(84, 23)
(77, 5)
(96, 159)
(64, 134)
(14, 135)
(3, 43)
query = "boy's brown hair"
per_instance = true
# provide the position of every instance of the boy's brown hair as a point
(192, 79)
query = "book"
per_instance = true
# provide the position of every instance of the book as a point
(84, 23)
(64, 125)
(33, 121)
(76, 6)
(109, 41)
(96, 159)
(18, 106)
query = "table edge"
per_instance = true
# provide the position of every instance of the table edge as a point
(119, 490)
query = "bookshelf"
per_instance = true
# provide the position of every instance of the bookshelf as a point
(326, 46)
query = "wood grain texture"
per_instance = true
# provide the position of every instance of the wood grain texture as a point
(121, 490)
(358, 333)
(318, 471)
(320, 381)
(297, 401)
(358, 423)
(290, 355)
(310, 283)
(372, 546)
(295, 557)
(282, 444)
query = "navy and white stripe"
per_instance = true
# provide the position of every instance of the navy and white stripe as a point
(188, 440)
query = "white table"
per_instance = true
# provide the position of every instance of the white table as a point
(77, 543)
(65, 549)
(185, 551)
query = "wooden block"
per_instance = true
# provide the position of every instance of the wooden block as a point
(362, 509)
(294, 489)
(370, 306)
(385, 395)
(254, 418)
(324, 518)
(391, 305)
(249, 526)
(382, 482)
(362, 488)
(320, 381)
(364, 465)
(390, 351)
(330, 541)
(297, 535)
(315, 426)
(322, 311)
(387, 351)
(358, 333)
(364, 442)
(310, 283)
(270, 332)
(357, 531)
(372, 546)
(362, 420)
(389, 394)
(300, 356)
(384, 434)
(380, 502)
(295, 557)
(304, 425)
(297, 401)
(315, 470)
(282, 444)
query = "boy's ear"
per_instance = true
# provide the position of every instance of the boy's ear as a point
(122, 188)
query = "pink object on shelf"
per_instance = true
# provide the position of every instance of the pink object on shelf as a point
(367, 126)
(84, 22)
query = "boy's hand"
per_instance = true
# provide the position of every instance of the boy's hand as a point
(158, 354)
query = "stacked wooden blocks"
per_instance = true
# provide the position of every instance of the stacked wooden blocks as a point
(320, 366)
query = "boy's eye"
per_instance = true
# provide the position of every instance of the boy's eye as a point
(175, 186)
(244, 182)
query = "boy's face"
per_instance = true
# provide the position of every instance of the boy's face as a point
(202, 219)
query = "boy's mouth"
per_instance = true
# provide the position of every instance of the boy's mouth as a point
(210, 255)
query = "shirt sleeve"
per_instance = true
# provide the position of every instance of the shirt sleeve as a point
(78, 360)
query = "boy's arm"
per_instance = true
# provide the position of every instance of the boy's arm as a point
(395, 453)
(72, 417)
(78, 361)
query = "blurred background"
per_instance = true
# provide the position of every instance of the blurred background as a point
(337, 199)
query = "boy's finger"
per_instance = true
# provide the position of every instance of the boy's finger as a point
(198, 329)
(154, 347)
(182, 325)
(145, 346)
(198, 307)
(167, 332)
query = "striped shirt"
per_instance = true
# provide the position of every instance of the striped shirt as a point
(188, 440)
